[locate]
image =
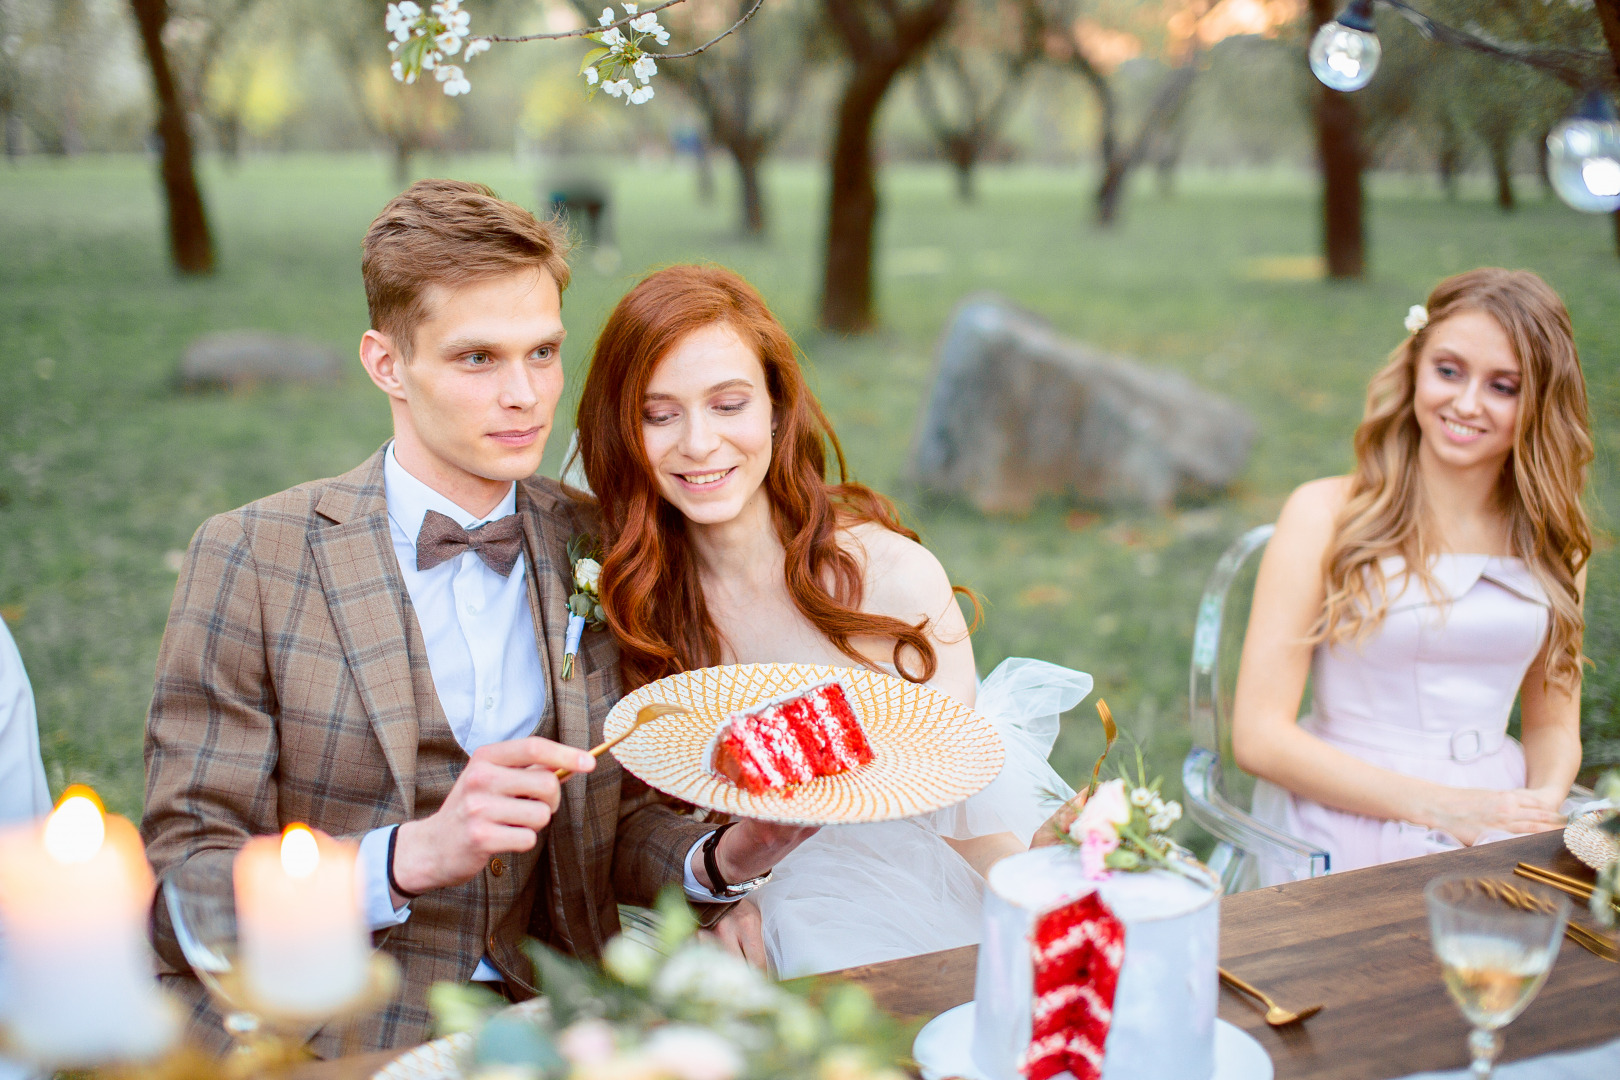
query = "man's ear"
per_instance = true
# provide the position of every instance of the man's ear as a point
(382, 362)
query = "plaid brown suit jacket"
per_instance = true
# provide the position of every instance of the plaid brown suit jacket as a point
(293, 685)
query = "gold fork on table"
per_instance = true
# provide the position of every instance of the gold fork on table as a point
(1596, 944)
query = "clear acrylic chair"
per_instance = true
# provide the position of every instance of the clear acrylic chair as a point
(1217, 791)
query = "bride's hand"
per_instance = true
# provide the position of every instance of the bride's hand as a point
(1468, 813)
(1058, 824)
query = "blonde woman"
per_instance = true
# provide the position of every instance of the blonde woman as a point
(1428, 590)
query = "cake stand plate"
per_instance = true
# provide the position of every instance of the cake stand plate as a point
(944, 1049)
(930, 751)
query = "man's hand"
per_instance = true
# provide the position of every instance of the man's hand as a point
(748, 849)
(501, 800)
(1058, 824)
(741, 932)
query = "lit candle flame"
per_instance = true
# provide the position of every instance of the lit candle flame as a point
(75, 830)
(299, 853)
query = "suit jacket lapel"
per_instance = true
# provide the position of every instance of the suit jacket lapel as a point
(366, 597)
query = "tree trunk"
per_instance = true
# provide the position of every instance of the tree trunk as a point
(1502, 170)
(1338, 147)
(1609, 16)
(404, 146)
(752, 194)
(964, 158)
(846, 296)
(191, 247)
(228, 129)
(14, 136)
(705, 170)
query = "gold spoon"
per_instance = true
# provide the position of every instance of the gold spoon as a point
(1276, 1015)
(648, 713)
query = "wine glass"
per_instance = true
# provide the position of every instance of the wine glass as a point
(204, 918)
(1496, 942)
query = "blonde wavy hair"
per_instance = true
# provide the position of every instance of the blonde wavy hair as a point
(1541, 483)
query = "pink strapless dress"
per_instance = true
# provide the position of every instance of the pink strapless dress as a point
(1428, 695)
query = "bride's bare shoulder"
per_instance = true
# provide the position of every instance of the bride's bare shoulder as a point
(899, 575)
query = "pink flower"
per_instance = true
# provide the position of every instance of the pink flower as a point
(1108, 808)
(587, 1042)
(1094, 851)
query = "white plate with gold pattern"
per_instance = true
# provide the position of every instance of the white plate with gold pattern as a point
(1590, 844)
(441, 1059)
(929, 750)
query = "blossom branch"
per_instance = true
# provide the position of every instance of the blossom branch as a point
(732, 29)
(587, 31)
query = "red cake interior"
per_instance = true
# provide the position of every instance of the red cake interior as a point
(1077, 951)
(791, 739)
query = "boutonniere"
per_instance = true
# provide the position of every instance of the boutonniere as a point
(585, 603)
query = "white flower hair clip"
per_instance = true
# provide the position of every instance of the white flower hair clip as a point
(1417, 317)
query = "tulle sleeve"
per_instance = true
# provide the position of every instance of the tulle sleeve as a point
(1024, 699)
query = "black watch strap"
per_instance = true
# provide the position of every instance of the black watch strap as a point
(393, 884)
(711, 862)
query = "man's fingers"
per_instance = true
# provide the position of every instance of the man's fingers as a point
(537, 784)
(523, 753)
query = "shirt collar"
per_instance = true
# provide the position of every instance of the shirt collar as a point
(409, 500)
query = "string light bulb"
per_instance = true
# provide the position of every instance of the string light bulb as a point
(1344, 53)
(1583, 156)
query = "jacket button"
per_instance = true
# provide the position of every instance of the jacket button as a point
(497, 867)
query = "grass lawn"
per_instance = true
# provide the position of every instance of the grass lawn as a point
(106, 469)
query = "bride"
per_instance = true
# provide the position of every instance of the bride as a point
(725, 544)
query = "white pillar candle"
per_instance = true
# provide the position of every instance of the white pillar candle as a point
(303, 948)
(75, 891)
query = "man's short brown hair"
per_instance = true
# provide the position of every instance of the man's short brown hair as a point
(449, 232)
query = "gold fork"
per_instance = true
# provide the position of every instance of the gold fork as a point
(647, 714)
(1276, 1015)
(1595, 944)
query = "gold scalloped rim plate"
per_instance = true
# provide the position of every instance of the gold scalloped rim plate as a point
(929, 750)
(1590, 844)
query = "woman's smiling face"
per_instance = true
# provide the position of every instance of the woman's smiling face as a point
(706, 423)
(1466, 394)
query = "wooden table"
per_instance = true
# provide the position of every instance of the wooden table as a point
(1357, 943)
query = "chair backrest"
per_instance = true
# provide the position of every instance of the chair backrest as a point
(1219, 794)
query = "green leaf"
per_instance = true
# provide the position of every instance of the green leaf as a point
(590, 60)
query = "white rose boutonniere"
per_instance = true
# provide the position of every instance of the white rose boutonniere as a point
(585, 604)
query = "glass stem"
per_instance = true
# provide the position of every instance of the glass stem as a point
(1484, 1045)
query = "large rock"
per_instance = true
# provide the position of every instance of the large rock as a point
(238, 357)
(1018, 412)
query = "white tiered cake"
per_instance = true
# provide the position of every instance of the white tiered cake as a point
(1160, 1024)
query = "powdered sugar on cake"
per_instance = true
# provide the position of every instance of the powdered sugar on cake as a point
(792, 738)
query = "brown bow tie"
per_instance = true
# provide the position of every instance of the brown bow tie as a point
(498, 543)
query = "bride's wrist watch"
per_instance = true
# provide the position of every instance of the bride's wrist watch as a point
(711, 863)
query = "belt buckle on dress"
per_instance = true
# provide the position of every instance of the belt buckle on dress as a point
(1468, 736)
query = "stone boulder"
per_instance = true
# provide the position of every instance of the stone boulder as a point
(241, 357)
(1017, 412)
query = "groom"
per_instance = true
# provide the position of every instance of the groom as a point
(378, 655)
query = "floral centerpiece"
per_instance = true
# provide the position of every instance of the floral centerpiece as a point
(1608, 880)
(672, 1005)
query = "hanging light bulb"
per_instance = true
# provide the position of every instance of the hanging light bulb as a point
(1583, 157)
(1344, 53)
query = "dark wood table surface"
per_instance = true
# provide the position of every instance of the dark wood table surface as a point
(1356, 943)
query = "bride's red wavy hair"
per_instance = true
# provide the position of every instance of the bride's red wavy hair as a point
(650, 589)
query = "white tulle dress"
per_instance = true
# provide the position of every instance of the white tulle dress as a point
(858, 894)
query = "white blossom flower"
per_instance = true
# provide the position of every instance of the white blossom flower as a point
(708, 975)
(641, 96)
(629, 9)
(591, 76)
(606, 18)
(1155, 807)
(399, 73)
(631, 962)
(613, 38)
(617, 87)
(401, 18)
(430, 60)
(648, 24)
(645, 69)
(1141, 796)
(454, 81)
(474, 47)
(687, 1052)
(1417, 317)
(1172, 810)
(448, 43)
(1159, 822)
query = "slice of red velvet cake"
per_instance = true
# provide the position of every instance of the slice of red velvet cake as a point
(1077, 950)
(790, 739)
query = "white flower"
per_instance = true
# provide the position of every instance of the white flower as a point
(588, 572)
(398, 69)
(1106, 810)
(1155, 807)
(645, 69)
(613, 38)
(687, 1052)
(454, 81)
(401, 18)
(1141, 797)
(591, 76)
(1159, 823)
(430, 59)
(1417, 317)
(607, 17)
(629, 9)
(708, 975)
(448, 43)
(616, 87)
(474, 47)
(587, 1042)
(648, 24)
(640, 97)
(1172, 810)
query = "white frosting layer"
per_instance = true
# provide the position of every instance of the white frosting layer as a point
(1164, 1007)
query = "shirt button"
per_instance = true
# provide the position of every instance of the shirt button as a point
(489, 703)
(497, 867)
(472, 610)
